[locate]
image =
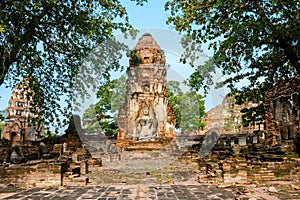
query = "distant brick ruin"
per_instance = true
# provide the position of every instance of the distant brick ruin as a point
(227, 117)
(282, 124)
(145, 119)
(18, 128)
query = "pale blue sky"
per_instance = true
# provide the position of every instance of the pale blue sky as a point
(151, 14)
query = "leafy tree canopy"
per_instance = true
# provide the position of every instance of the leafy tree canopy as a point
(111, 95)
(254, 40)
(49, 39)
(90, 120)
(102, 116)
(188, 107)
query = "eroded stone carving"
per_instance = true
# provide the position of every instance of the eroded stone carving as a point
(146, 126)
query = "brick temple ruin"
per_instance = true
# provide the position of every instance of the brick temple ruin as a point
(265, 151)
(227, 116)
(226, 152)
(28, 159)
(146, 121)
(18, 128)
(59, 161)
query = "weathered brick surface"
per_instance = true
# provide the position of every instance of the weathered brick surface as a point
(232, 162)
(283, 111)
(33, 174)
(145, 118)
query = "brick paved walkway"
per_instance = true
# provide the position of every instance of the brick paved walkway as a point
(124, 192)
(141, 192)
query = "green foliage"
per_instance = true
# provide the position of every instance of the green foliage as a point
(173, 92)
(111, 95)
(257, 41)
(90, 120)
(110, 127)
(135, 58)
(48, 40)
(102, 116)
(174, 102)
(49, 134)
(174, 88)
(188, 107)
(192, 111)
(1, 127)
(202, 77)
(252, 114)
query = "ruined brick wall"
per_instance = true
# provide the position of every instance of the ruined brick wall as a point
(283, 111)
(287, 170)
(246, 158)
(33, 174)
(242, 171)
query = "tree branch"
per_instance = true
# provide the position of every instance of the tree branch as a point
(8, 58)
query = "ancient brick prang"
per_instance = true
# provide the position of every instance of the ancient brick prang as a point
(19, 127)
(145, 117)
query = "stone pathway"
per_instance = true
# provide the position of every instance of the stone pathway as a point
(145, 171)
(151, 192)
(123, 192)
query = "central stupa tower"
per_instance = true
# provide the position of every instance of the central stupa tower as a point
(145, 119)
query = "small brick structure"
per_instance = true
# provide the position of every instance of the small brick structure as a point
(69, 169)
(60, 161)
